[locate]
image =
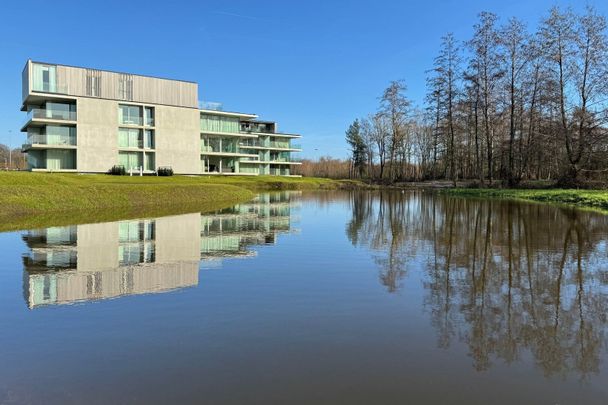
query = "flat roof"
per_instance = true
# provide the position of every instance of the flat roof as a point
(229, 113)
(112, 71)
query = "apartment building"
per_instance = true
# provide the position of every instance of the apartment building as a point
(88, 120)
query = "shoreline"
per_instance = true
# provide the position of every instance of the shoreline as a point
(35, 200)
(589, 199)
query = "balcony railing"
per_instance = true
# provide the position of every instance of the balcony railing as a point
(250, 143)
(279, 172)
(42, 113)
(284, 145)
(269, 144)
(210, 105)
(58, 140)
(285, 159)
(257, 130)
(130, 121)
(217, 149)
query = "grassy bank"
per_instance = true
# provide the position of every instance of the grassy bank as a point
(596, 199)
(30, 200)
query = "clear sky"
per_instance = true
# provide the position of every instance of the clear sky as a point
(313, 65)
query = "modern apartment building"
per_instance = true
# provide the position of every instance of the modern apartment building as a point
(88, 120)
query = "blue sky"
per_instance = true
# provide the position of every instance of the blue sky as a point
(313, 66)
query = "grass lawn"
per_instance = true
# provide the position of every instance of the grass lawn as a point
(30, 200)
(597, 199)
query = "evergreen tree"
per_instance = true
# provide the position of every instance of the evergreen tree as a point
(358, 148)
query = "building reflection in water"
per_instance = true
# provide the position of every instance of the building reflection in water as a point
(76, 263)
(507, 279)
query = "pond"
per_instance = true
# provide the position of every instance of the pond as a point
(360, 297)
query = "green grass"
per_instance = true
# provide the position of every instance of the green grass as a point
(30, 200)
(596, 199)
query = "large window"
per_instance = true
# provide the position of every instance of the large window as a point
(130, 160)
(130, 138)
(129, 114)
(44, 78)
(218, 145)
(57, 159)
(60, 135)
(60, 111)
(214, 123)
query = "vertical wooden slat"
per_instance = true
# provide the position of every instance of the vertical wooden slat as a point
(145, 89)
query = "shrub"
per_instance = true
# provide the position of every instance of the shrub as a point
(117, 170)
(164, 171)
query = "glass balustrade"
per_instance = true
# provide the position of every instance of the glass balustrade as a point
(50, 114)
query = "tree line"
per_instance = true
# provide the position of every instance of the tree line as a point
(508, 104)
(11, 159)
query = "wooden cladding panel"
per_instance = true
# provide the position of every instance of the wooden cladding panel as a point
(145, 89)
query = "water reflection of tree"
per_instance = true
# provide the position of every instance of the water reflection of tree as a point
(504, 278)
(378, 222)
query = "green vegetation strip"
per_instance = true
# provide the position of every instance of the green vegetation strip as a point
(597, 199)
(31, 200)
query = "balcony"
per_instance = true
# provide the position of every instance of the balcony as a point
(250, 143)
(256, 130)
(283, 145)
(279, 172)
(49, 114)
(223, 148)
(286, 160)
(57, 141)
(268, 145)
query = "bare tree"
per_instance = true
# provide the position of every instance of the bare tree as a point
(394, 107)
(487, 62)
(515, 40)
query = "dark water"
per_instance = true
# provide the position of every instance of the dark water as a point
(350, 298)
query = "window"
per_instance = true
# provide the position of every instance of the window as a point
(130, 160)
(129, 114)
(44, 78)
(60, 111)
(149, 139)
(130, 138)
(60, 135)
(214, 123)
(57, 159)
(149, 114)
(149, 161)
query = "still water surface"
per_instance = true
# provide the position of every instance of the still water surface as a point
(328, 297)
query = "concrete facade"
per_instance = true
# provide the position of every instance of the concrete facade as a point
(88, 120)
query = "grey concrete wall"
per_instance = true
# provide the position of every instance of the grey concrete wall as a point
(96, 134)
(177, 136)
(178, 139)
